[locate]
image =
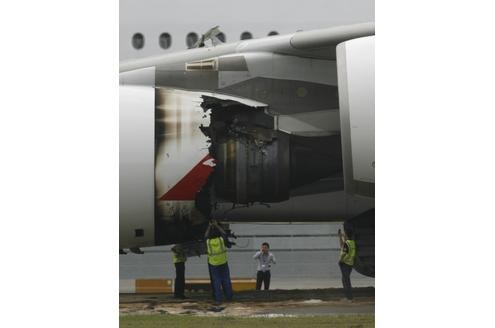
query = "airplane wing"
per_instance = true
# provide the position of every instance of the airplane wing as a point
(314, 44)
(331, 37)
(322, 43)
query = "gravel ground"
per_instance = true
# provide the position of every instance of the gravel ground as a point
(249, 303)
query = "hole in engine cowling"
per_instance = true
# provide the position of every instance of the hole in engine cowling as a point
(255, 162)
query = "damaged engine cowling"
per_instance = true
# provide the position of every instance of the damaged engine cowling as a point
(211, 152)
(255, 162)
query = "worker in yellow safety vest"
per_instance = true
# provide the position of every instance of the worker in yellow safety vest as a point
(179, 258)
(218, 265)
(346, 261)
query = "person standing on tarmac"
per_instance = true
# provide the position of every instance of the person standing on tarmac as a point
(265, 259)
(219, 267)
(346, 261)
(179, 259)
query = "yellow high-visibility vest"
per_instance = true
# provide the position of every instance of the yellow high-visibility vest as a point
(351, 253)
(217, 253)
(178, 257)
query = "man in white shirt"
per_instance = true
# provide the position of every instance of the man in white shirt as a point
(265, 259)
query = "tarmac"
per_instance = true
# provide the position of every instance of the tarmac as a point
(305, 281)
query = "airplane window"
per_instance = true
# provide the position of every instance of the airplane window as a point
(273, 33)
(138, 41)
(246, 36)
(221, 36)
(191, 39)
(165, 40)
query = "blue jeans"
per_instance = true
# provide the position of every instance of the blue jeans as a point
(346, 279)
(221, 280)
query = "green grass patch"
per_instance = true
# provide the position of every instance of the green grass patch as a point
(166, 320)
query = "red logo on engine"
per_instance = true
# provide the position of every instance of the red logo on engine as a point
(191, 183)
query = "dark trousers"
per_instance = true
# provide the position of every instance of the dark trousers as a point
(221, 281)
(263, 277)
(180, 279)
(346, 279)
(211, 282)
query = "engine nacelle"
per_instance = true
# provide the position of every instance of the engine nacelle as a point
(136, 166)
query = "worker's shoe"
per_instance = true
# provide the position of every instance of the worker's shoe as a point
(217, 308)
(136, 250)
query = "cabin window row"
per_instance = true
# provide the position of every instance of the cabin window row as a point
(165, 39)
